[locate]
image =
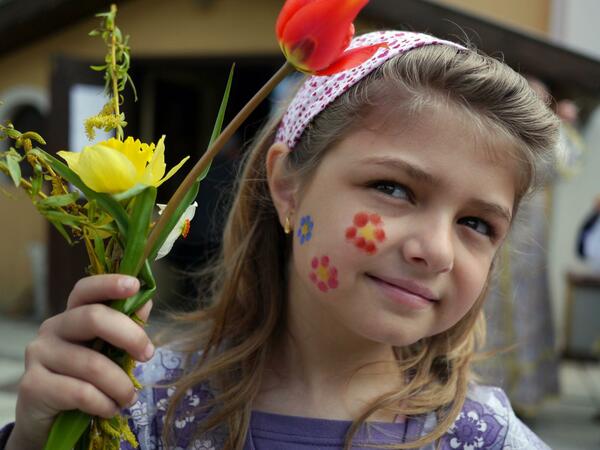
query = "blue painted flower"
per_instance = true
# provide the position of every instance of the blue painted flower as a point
(305, 229)
(473, 429)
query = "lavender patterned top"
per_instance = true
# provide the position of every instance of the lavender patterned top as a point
(486, 421)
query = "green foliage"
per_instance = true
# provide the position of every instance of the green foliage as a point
(113, 228)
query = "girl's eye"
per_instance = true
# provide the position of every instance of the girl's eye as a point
(392, 189)
(479, 225)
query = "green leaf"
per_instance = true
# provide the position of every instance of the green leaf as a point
(12, 133)
(193, 192)
(36, 183)
(61, 217)
(62, 231)
(221, 114)
(67, 429)
(138, 231)
(98, 68)
(14, 169)
(99, 249)
(57, 201)
(135, 190)
(105, 201)
(135, 302)
(34, 136)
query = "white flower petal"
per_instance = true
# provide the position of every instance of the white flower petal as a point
(188, 214)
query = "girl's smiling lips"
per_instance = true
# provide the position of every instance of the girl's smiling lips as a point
(405, 291)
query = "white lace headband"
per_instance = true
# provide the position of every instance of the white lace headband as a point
(319, 91)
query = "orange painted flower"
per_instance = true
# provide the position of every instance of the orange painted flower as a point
(314, 34)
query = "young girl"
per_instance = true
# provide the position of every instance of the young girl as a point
(346, 307)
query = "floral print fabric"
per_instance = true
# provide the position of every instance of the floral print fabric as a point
(485, 422)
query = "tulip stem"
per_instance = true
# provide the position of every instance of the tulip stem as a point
(211, 152)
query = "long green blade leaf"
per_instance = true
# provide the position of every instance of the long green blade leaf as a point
(135, 302)
(138, 231)
(193, 192)
(221, 114)
(67, 429)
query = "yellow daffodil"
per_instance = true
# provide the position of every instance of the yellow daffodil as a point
(115, 166)
(182, 228)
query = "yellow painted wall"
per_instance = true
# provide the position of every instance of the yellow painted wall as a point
(22, 227)
(157, 27)
(528, 15)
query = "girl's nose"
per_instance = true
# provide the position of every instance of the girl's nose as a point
(430, 247)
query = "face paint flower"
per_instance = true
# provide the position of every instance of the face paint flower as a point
(323, 275)
(313, 35)
(115, 166)
(305, 231)
(182, 228)
(366, 232)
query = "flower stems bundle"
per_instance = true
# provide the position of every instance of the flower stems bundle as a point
(104, 196)
(111, 210)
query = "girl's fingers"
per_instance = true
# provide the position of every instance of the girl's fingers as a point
(99, 321)
(87, 365)
(144, 312)
(100, 288)
(61, 393)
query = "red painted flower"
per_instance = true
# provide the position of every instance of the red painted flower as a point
(324, 275)
(366, 231)
(313, 35)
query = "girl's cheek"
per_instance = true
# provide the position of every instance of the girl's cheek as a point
(366, 232)
(330, 247)
(318, 248)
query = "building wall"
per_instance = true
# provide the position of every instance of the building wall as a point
(528, 15)
(174, 28)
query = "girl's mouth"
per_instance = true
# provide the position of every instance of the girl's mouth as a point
(405, 292)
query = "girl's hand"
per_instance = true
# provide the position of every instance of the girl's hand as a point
(61, 373)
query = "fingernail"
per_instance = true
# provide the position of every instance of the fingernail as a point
(133, 399)
(128, 283)
(149, 351)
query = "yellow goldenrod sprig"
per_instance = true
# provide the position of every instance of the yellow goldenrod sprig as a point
(116, 76)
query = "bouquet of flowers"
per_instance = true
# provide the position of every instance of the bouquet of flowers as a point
(104, 195)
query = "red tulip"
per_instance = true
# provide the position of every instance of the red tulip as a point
(313, 35)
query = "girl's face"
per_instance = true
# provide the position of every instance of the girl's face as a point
(395, 233)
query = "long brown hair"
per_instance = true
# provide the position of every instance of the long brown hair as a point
(246, 297)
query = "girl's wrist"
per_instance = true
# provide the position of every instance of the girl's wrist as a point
(19, 441)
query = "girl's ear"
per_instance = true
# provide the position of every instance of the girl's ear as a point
(282, 185)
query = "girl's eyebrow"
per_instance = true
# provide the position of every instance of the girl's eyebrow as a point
(492, 208)
(420, 175)
(411, 170)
